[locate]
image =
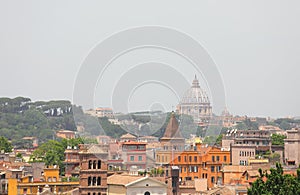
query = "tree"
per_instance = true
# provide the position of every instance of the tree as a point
(198, 131)
(247, 124)
(51, 152)
(5, 145)
(276, 183)
(278, 139)
(285, 125)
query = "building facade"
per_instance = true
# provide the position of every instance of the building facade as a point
(72, 162)
(292, 147)
(134, 154)
(247, 144)
(126, 184)
(202, 162)
(93, 169)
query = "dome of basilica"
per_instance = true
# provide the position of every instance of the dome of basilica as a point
(195, 95)
(195, 102)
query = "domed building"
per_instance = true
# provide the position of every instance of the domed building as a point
(195, 103)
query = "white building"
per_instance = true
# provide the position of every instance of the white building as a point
(195, 103)
(137, 185)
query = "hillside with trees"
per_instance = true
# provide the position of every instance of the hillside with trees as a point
(20, 117)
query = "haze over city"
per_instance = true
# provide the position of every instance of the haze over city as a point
(254, 44)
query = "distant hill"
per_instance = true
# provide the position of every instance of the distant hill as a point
(20, 117)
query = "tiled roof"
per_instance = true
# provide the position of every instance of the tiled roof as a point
(122, 179)
(235, 168)
(128, 136)
(134, 143)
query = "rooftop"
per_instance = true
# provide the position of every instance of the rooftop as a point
(122, 179)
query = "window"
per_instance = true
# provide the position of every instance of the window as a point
(218, 168)
(179, 158)
(213, 158)
(89, 181)
(190, 158)
(212, 168)
(131, 158)
(140, 158)
(141, 147)
(196, 169)
(225, 158)
(99, 181)
(184, 169)
(218, 158)
(195, 158)
(184, 158)
(94, 164)
(90, 164)
(99, 164)
(94, 181)
(212, 179)
(132, 147)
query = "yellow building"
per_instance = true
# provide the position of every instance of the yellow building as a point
(27, 185)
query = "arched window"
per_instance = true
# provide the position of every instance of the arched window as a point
(89, 181)
(147, 193)
(99, 164)
(94, 181)
(90, 164)
(99, 181)
(94, 164)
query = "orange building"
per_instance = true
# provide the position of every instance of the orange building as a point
(202, 162)
(197, 162)
(19, 184)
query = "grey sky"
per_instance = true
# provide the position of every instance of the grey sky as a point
(255, 45)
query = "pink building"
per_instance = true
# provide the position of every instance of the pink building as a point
(134, 154)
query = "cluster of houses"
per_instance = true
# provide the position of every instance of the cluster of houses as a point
(148, 165)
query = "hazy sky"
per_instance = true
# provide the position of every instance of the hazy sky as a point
(255, 45)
